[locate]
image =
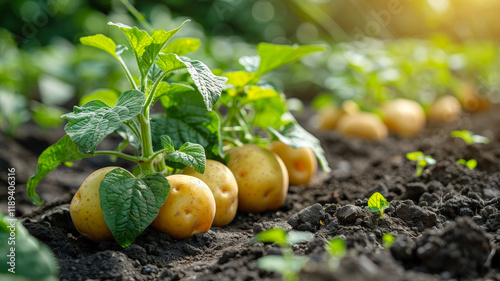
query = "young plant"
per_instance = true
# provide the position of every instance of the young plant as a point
(163, 143)
(377, 203)
(288, 264)
(469, 137)
(471, 164)
(337, 249)
(388, 240)
(422, 161)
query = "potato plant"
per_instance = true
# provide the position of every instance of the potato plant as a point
(163, 143)
(422, 161)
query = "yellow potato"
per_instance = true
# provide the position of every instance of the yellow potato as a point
(405, 117)
(85, 208)
(471, 100)
(300, 163)
(262, 178)
(329, 115)
(189, 209)
(362, 125)
(445, 109)
(224, 187)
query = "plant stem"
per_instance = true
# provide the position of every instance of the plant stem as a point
(136, 159)
(147, 143)
(140, 17)
(127, 73)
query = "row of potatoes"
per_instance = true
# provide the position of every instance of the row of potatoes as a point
(255, 180)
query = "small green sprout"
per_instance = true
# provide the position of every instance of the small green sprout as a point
(287, 265)
(469, 137)
(422, 161)
(377, 203)
(388, 240)
(471, 164)
(336, 248)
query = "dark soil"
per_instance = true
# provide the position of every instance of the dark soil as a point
(446, 223)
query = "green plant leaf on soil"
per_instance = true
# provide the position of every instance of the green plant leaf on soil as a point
(187, 120)
(189, 154)
(89, 124)
(64, 150)
(388, 240)
(273, 235)
(101, 42)
(240, 79)
(274, 56)
(282, 264)
(414, 156)
(108, 96)
(130, 204)
(182, 46)
(336, 248)
(294, 237)
(377, 203)
(471, 164)
(294, 135)
(469, 137)
(209, 85)
(33, 259)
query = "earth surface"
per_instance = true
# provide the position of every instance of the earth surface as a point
(446, 223)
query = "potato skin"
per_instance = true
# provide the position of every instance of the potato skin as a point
(300, 163)
(363, 125)
(189, 209)
(404, 117)
(445, 109)
(329, 115)
(85, 208)
(262, 178)
(224, 187)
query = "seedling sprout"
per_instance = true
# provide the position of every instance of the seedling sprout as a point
(469, 137)
(388, 240)
(288, 264)
(336, 248)
(422, 161)
(471, 164)
(377, 203)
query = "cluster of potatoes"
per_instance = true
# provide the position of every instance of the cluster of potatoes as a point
(406, 118)
(255, 180)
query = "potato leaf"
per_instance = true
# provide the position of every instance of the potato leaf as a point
(269, 109)
(294, 135)
(108, 96)
(377, 203)
(189, 154)
(274, 56)
(282, 264)
(336, 247)
(294, 237)
(250, 63)
(89, 124)
(101, 42)
(209, 85)
(273, 235)
(130, 204)
(138, 39)
(34, 260)
(240, 79)
(182, 46)
(65, 150)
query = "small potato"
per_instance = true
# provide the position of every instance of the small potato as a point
(300, 163)
(404, 117)
(328, 116)
(189, 209)
(471, 100)
(224, 187)
(445, 109)
(362, 125)
(262, 178)
(85, 208)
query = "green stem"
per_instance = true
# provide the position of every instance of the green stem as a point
(151, 96)
(147, 143)
(127, 73)
(140, 17)
(136, 159)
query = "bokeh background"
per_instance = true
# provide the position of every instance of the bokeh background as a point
(377, 49)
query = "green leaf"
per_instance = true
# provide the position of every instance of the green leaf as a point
(46, 116)
(165, 89)
(294, 135)
(471, 164)
(388, 240)
(255, 92)
(294, 237)
(187, 120)
(108, 96)
(469, 137)
(273, 235)
(414, 156)
(33, 259)
(274, 56)
(336, 248)
(462, 161)
(138, 39)
(250, 63)
(65, 150)
(130, 204)
(182, 46)
(377, 203)
(240, 79)
(89, 124)
(167, 143)
(101, 42)
(269, 111)
(282, 264)
(189, 154)
(209, 85)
